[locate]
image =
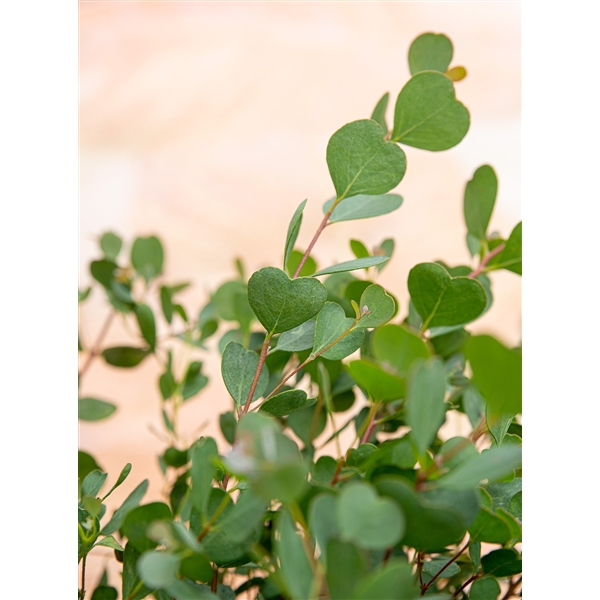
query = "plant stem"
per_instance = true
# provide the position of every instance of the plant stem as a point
(371, 425)
(338, 469)
(226, 500)
(420, 569)
(465, 584)
(261, 362)
(96, 347)
(512, 587)
(215, 581)
(485, 260)
(314, 240)
(427, 585)
(82, 595)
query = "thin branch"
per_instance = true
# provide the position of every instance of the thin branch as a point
(427, 585)
(82, 595)
(96, 347)
(465, 584)
(261, 362)
(314, 240)
(485, 260)
(370, 427)
(512, 587)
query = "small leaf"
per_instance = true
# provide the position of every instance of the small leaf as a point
(376, 305)
(166, 302)
(430, 52)
(158, 569)
(331, 325)
(130, 503)
(480, 197)
(360, 161)
(122, 477)
(359, 249)
(292, 233)
(103, 271)
(486, 588)
(92, 483)
(110, 244)
(428, 115)
(83, 294)
(147, 325)
(298, 339)
(194, 381)
(511, 257)
(502, 563)
(363, 206)
(432, 567)
(92, 409)
(456, 73)
(281, 303)
(379, 112)
(228, 424)
(203, 472)
(124, 356)
(110, 542)
(308, 268)
(147, 257)
(353, 265)
(238, 367)
(287, 402)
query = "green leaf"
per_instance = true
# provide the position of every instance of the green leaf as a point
(287, 402)
(147, 257)
(92, 483)
(158, 569)
(203, 472)
(228, 424)
(110, 542)
(295, 569)
(498, 426)
(103, 271)
(480, 197)
(426, 408)
(124, 356)
(386, 248)
(497, 372)
(442, 300)
(332, 324)
(346, 567)
(308, 268)
(430, 52)
(322, 518)
(515, 507)
(359, 249)
(105, 592)
(393, 582)
(92, 409)
(110, 244)
(486, 588)
(491, 464)
(502, 493)
(428, 115)
(238, 367)
(196, 567)
(194, 381)
(398, 348)
(85, 464)
(432, 567)
(377, 306)
(379, 112)
(297, 339)
(511, 257)
(83, 294)
(281, 303)
(360, 161)
(130, 503)
(353, 265)
(292, 233)
(147, 325)
(502, 563)
(363, 206)
(133, 588)
(379, 384)
(367, 520)
(122, 477)
(137, 520)
(491, 528)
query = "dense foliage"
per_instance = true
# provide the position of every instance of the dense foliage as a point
(399, 514)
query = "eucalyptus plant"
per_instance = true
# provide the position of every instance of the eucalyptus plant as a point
(400, 513)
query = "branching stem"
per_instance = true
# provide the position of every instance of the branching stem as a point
(465, 584)
(425, 587)
(96, 347)
(261, 362)
(512, 587)
(485, 260)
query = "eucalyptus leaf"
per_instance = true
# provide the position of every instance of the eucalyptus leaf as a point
(379, 111)
(147, 257)
(346, 567)
(287, 402)
(130, 503)
(480, 197)
(378, 384)
(93, 409)
(124, 356)
(376, 305)
(511, 257)
(292, 232)
(353, 265)
(363, 206)
(203, 472)
(136, 523)
(331, 325)
(147, 324)
(238, 367)
(110, 244)
(486, 588)
(398, 348)
(297, 339)
(430, 52)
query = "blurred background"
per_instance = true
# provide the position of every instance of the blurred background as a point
(206, 124)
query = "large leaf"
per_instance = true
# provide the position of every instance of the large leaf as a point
(498, 373)
(287, 402)
(281, 303)
(292, 232)
(393, 582)
(158, 569)
(426, 409)
(398, 348)
(360, 161)
(238, 367)
(502, 563)
(376, 306)
(93, 409)
(480, 197)
(442, 300)
(363, 206)
(354, 265)
(430, 52)
(136, 523)
(147, 257)
(331, 325)
(428, 115)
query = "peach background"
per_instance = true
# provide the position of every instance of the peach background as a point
(207, 123)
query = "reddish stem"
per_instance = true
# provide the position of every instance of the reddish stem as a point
(261, 362)
(465, 584)
(314, 241)
(486, 259)
(428, 584)
(96, 347)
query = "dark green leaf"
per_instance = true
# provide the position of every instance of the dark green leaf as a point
(166, 302)
(105, 592)
(379, 112)
(130, 503)
(228, 424)
(281, 303)
(147, 257)
(480, 197)
(442, 300)
(486, 588)
(309, 267)
(331, 325)
(490, 527)
(109, 542)
(376, 305)
(110, 244)
(122, 477)
(124, 356)
(430, 52)
(432, 567)
(346, 567)
(363, 206)
(287, 402)
(196, 567)
(501, 563)
(203, 472)
(297, 339)
(427, 114)
(379, 384)
(167, 385)
(85, 464)
(147, 325)
(133, 588)
(292, 233)
(353, 265)
(92, 409)
(398, 348)
(194, 380)
(307, 424)
(137, 520)
(360, 161)
(238, 367)
(103, 271)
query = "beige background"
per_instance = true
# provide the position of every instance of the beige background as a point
(207, 123)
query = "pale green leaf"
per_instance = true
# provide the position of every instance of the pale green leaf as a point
(353, 265)
(363, 206)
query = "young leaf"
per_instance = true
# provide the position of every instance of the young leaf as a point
(353, 265)
(297, 339)
(331, 325)
(147, 257)
(511, 257)
(444, 300)
(130, 503)
(124, 356)
(147, 325)
(456, 73)
(287, 402)
(386, 248)
(480, 197)
(359, 249)
(166, 302)
(92, 409)
(92, 483)
(379, 112)
(376, 305)
(363, 206)
(292, 233)
(426, 409)
(122, 477)
(430, 52)
(194, 380)
(397, 347)
(428, 115)
(281, 303)
(110, 244)
(109, 542)
(360, 161)
(238, 367)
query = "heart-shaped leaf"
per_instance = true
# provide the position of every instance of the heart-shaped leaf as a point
(363, 206)
(331, 325)
(430, 52)
(287, 402)
(369, 521)
(354, 265)
(238, 367)
(480, 197)
(377, 306)
(428, 115)
(360, 161)
(292, 233)
(444, 300)
(281, 303)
